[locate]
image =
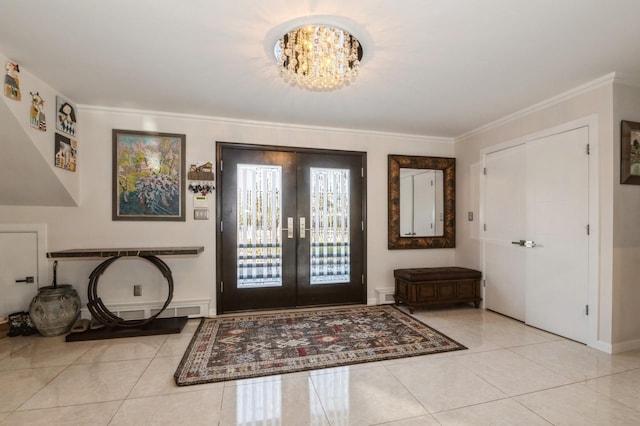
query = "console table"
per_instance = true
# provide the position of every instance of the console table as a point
(115, 326)
(437, 286)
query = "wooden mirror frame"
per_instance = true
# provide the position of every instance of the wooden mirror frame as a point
(448, 167)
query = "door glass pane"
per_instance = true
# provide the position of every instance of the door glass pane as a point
(329, 227)
(259, 226)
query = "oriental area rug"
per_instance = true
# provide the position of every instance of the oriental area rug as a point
(263, 344)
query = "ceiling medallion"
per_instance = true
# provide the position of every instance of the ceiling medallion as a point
(318, 57)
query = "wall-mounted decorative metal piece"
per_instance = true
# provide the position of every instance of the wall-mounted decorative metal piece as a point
(12, 81)
(201, 178)
(201, 187)
(36, 115)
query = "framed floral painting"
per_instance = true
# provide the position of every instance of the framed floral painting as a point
(148, 176)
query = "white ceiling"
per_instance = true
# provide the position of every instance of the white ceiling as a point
(431, 67)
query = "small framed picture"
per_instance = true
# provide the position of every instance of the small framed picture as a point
(630, 153)
(66, 151)
(65, 116)
(148, 176)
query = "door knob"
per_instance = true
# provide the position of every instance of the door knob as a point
(28, 280)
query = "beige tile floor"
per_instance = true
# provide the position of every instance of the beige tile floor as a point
(510, 375)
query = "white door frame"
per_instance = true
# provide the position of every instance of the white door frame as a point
(591, 123)
(41, 239)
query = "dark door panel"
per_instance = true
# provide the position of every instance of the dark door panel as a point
(330, 267)
(257, 256)
(292, 228)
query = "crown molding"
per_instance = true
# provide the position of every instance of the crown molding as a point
(626, 79)
(607, 79)
(267, 124)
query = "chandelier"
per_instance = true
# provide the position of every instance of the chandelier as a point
(318, 57)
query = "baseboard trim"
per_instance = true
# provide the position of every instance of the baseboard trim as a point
(629, 345)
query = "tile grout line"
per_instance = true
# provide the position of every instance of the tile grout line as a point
(66, 367)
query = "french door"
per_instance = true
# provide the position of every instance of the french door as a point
(290, 227)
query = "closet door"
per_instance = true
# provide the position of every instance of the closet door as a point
(18, 271)
(536, 238)
(505, 222)
(558, 215)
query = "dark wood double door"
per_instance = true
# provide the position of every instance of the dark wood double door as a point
(291, 227)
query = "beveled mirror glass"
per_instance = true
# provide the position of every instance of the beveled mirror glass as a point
(421, 202)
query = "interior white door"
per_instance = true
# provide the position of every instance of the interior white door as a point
(558, 215)
(536, 242)
(505, 222)
(18, 260)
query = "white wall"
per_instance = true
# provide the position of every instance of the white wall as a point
(90, 224)
(626, 231)
(23, 161)
(594, 99)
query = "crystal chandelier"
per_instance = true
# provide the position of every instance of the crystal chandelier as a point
(318, 57)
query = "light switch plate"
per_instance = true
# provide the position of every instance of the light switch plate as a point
(201, 214)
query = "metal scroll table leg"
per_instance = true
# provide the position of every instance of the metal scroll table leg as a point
(117, 327)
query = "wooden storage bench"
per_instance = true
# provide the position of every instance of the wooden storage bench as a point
(418, 287)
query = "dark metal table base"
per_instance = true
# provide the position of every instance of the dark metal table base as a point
(116, 327)
(152, 328)
(103, 315)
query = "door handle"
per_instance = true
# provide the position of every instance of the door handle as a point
(303, 227)
(290, 227)
(525, 243)
(28, 280)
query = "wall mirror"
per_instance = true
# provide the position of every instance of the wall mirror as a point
(421, 202)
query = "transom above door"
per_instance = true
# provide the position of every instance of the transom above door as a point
(291, 227)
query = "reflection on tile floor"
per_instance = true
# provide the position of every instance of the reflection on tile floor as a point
(511, 374)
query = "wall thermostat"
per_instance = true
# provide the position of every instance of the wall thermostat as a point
(200, 202)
